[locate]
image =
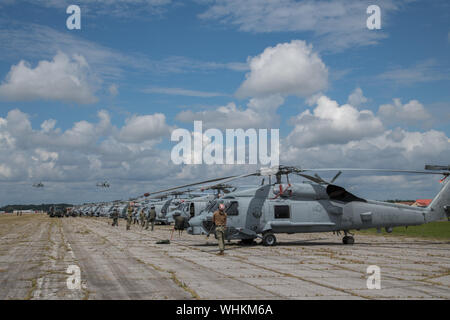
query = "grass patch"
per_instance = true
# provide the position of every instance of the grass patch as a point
(32, 289)
(83, 232)
(183, 286)
(433, 230)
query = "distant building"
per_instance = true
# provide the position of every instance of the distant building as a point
(422, 203)
(406, 203)
(23, 211)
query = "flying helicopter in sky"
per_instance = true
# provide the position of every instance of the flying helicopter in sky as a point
(313, 206)
(104, 184)
(38, 185)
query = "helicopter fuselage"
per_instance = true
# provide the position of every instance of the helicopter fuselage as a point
(304, 208)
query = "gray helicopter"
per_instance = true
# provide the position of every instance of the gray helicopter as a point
(168, 204)
(192, 206)
(313, 206)
(38, 185)
(104, 184)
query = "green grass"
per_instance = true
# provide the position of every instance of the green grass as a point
(434, 230)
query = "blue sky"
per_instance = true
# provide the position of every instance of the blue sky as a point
(163, 63)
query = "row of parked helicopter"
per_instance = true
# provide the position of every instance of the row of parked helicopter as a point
(167, 205)
(273, 206)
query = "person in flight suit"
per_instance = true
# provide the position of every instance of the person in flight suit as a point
(142, 218)
(179, 223)
(135, 216)
(129, 215)
(220, 221)
(115, 216)
(151, 218)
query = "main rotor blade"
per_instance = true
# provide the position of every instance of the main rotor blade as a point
(435, 167)
(335, 177)
(319, 181)
(223, 179)
(379, 170)
(320, 178)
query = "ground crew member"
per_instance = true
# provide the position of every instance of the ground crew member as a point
(142, 217)
(115, 216)
(129, 215)
(151, 218)
(179, 224)
(135, 216)
(220, 221)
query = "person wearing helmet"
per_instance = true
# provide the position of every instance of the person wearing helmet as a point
(220, 221)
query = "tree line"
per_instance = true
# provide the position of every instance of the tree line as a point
(34, 207)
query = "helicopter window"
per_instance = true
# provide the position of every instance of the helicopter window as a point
(192, 210)
(282, 212)
(232, 208)
(339, 193)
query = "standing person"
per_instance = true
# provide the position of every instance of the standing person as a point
(220, 221)
(129, 215)
(142, 218)
(115, 216)
(179, 223)
(135, 216)
(151, 218)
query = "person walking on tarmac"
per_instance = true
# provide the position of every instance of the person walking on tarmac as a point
(220, 221)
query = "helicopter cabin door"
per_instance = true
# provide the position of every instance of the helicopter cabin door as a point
(256, 208)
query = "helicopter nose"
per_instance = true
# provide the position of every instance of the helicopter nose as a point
(196, 225)
(195, 221)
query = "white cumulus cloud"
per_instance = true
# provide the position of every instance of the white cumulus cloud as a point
(65, 78)
(330, 123)
(260, 113)
(411, 112)
(356, 98)
(288, 69)
(142, 128)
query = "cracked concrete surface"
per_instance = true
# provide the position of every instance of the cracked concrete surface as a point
(35, 252)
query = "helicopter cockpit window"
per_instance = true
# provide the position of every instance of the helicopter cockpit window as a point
(282, 212)
(232, 208)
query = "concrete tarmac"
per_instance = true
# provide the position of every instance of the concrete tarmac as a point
(36, 252)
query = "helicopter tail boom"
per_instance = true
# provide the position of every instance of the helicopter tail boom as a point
(440, 206)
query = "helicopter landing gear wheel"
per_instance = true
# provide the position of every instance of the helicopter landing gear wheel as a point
(348, 240)
(269, 239)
